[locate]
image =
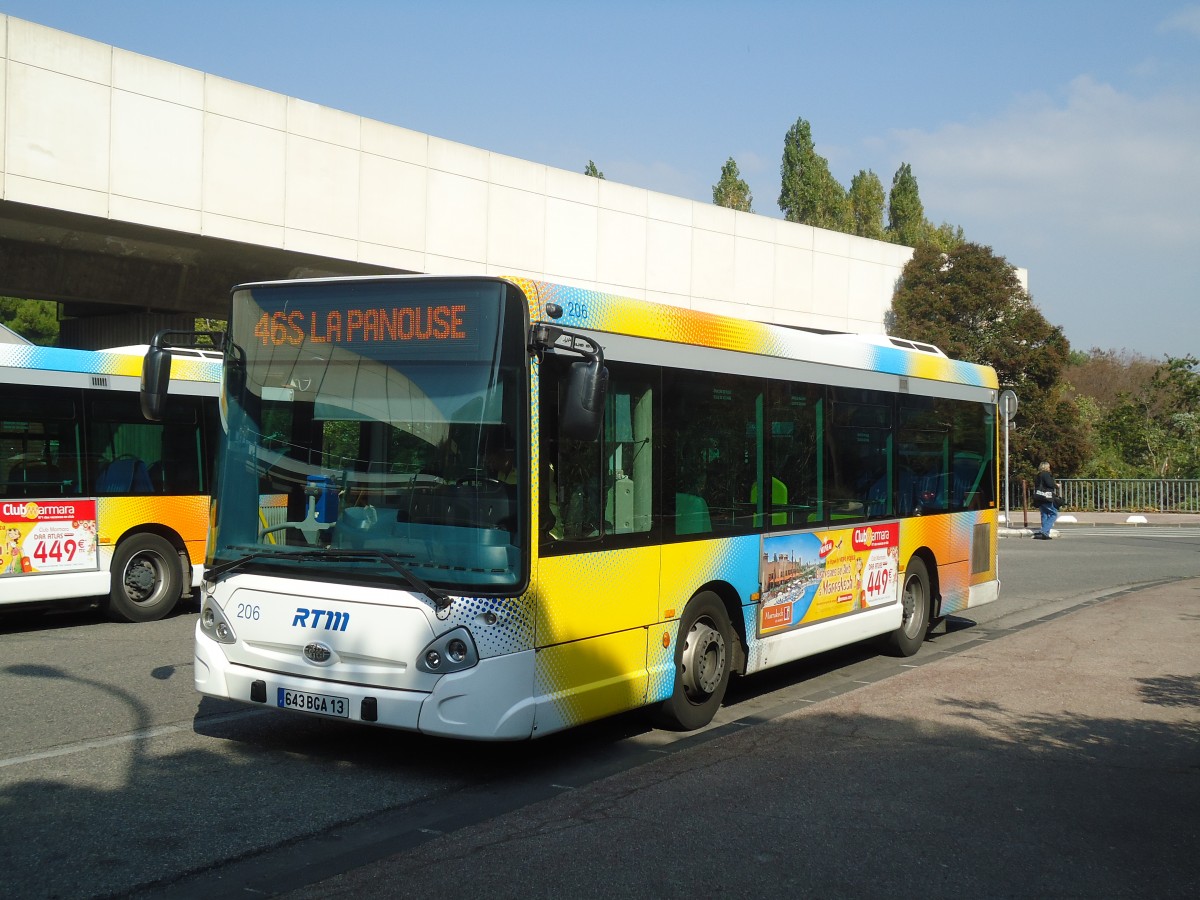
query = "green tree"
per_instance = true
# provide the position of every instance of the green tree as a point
(731, 191)
(1155, 432)
(945, 236)
(866, 200)
(211, 326)
(906, 214)
(809, 194)
(591, 169)
(34, 320)
(970, 303)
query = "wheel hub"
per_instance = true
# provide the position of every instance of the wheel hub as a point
(703, 660)
(140, 580)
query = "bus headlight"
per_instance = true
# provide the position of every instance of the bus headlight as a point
(214, 624)
(450, 652)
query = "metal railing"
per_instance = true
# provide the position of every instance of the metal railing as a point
(1162, 495)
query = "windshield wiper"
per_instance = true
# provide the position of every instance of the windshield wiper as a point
(221, 568)
(440, 598)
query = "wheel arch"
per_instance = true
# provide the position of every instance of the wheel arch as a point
(927, 556)
(172, 537)
(732, 601)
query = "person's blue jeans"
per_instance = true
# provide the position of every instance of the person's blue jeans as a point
(1049, 515)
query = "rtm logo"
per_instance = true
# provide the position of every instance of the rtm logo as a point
(334, 621)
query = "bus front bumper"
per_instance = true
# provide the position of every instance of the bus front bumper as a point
(490, 701)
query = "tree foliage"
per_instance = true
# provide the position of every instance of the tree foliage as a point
(1105, 376)
(1154, 431)
(730, 190)
(906, 213)
(809, 193)
(590, 169)
(945, 237)
(866, 201)
(970, 303)
(34, 320)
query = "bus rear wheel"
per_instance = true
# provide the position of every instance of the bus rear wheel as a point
(703, 659)
(914, 601)
(146, 579)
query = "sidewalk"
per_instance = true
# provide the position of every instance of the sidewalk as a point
(1059, 760)
(1024, 524)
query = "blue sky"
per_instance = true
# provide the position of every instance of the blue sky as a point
(1065, 135)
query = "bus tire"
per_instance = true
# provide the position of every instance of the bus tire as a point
(914, 600)
(146, 579)
(703, 660)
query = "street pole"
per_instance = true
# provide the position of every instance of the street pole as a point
(1008, 408)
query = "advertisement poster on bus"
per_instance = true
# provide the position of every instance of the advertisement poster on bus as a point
(812, 577)
(47, 536)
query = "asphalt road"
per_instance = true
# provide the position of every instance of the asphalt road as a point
(116, 778)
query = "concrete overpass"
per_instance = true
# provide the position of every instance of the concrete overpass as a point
(136, 192)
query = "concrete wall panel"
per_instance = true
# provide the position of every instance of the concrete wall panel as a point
(330, 126)
(187, 220)
(621, 248)
(58, 51)
(152, 77)
(754, 272)
(37, 192)
(573, 186)
(3, 98)
(321, 188)
(712, 266)
(244, 102)
(458, 159)
(668, 258)
(391, 142)
(319, 244)
(831, 285)
(665, 208)
(391, 204)
(793, 274)
(571, 230)
(157, 151)
(244, 168)
(392, 257)
(508, 171)
(232, 228)
(57, 128)
(516, 229)
(456, 216)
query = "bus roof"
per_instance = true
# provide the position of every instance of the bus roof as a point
(124, 361)
(593, 310)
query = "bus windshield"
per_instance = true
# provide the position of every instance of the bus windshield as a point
(375, 425)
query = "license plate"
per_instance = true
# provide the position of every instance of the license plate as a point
(321, 704)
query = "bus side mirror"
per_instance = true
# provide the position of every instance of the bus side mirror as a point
(584, 394)
(156, 376)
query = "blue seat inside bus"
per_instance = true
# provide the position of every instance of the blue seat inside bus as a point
(124, 475)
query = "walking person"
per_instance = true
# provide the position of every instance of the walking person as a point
(1046, 491)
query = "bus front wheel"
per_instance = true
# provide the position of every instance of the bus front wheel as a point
(703, 659)
(914, 601)
(146, 579)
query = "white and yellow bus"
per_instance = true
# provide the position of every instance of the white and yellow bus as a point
(96, 503)
(497, 508)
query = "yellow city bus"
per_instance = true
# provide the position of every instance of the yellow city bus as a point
(96, 503)
(496, 508)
